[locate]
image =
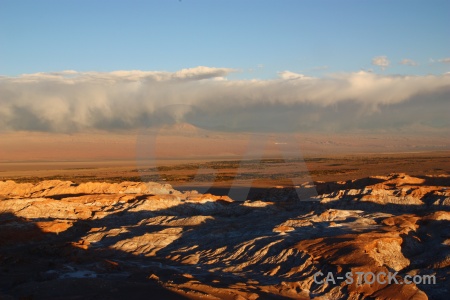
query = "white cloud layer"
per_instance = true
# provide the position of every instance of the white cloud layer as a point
(408, 62)
(70, 101)
(381, 61)
(445, 60)
(291, 75)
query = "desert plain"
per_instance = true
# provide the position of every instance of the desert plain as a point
(233, 226)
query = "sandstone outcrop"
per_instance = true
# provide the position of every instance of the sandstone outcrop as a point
(149, 237)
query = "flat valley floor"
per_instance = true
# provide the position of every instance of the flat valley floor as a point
(219, 174)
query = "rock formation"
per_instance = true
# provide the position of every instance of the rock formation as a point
(61, 239)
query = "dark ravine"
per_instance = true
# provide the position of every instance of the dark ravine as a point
(61, 240)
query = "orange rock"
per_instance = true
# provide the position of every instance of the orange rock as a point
(54, 226)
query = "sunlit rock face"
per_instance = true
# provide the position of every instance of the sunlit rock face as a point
(61, 239)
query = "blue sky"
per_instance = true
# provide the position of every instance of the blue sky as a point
(259, 38)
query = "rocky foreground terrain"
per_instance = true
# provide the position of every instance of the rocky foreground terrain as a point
(133, 240)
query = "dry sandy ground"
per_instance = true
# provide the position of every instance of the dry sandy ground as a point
(115, 157)
(183, 141)
(267, 172)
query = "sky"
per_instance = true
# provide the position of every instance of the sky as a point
(68, 66)
(260, 38)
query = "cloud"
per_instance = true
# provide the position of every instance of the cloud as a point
(72, 101)
(201, 73)
(408, 62)
(291, 75)
(381, 61)
(445, 60)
